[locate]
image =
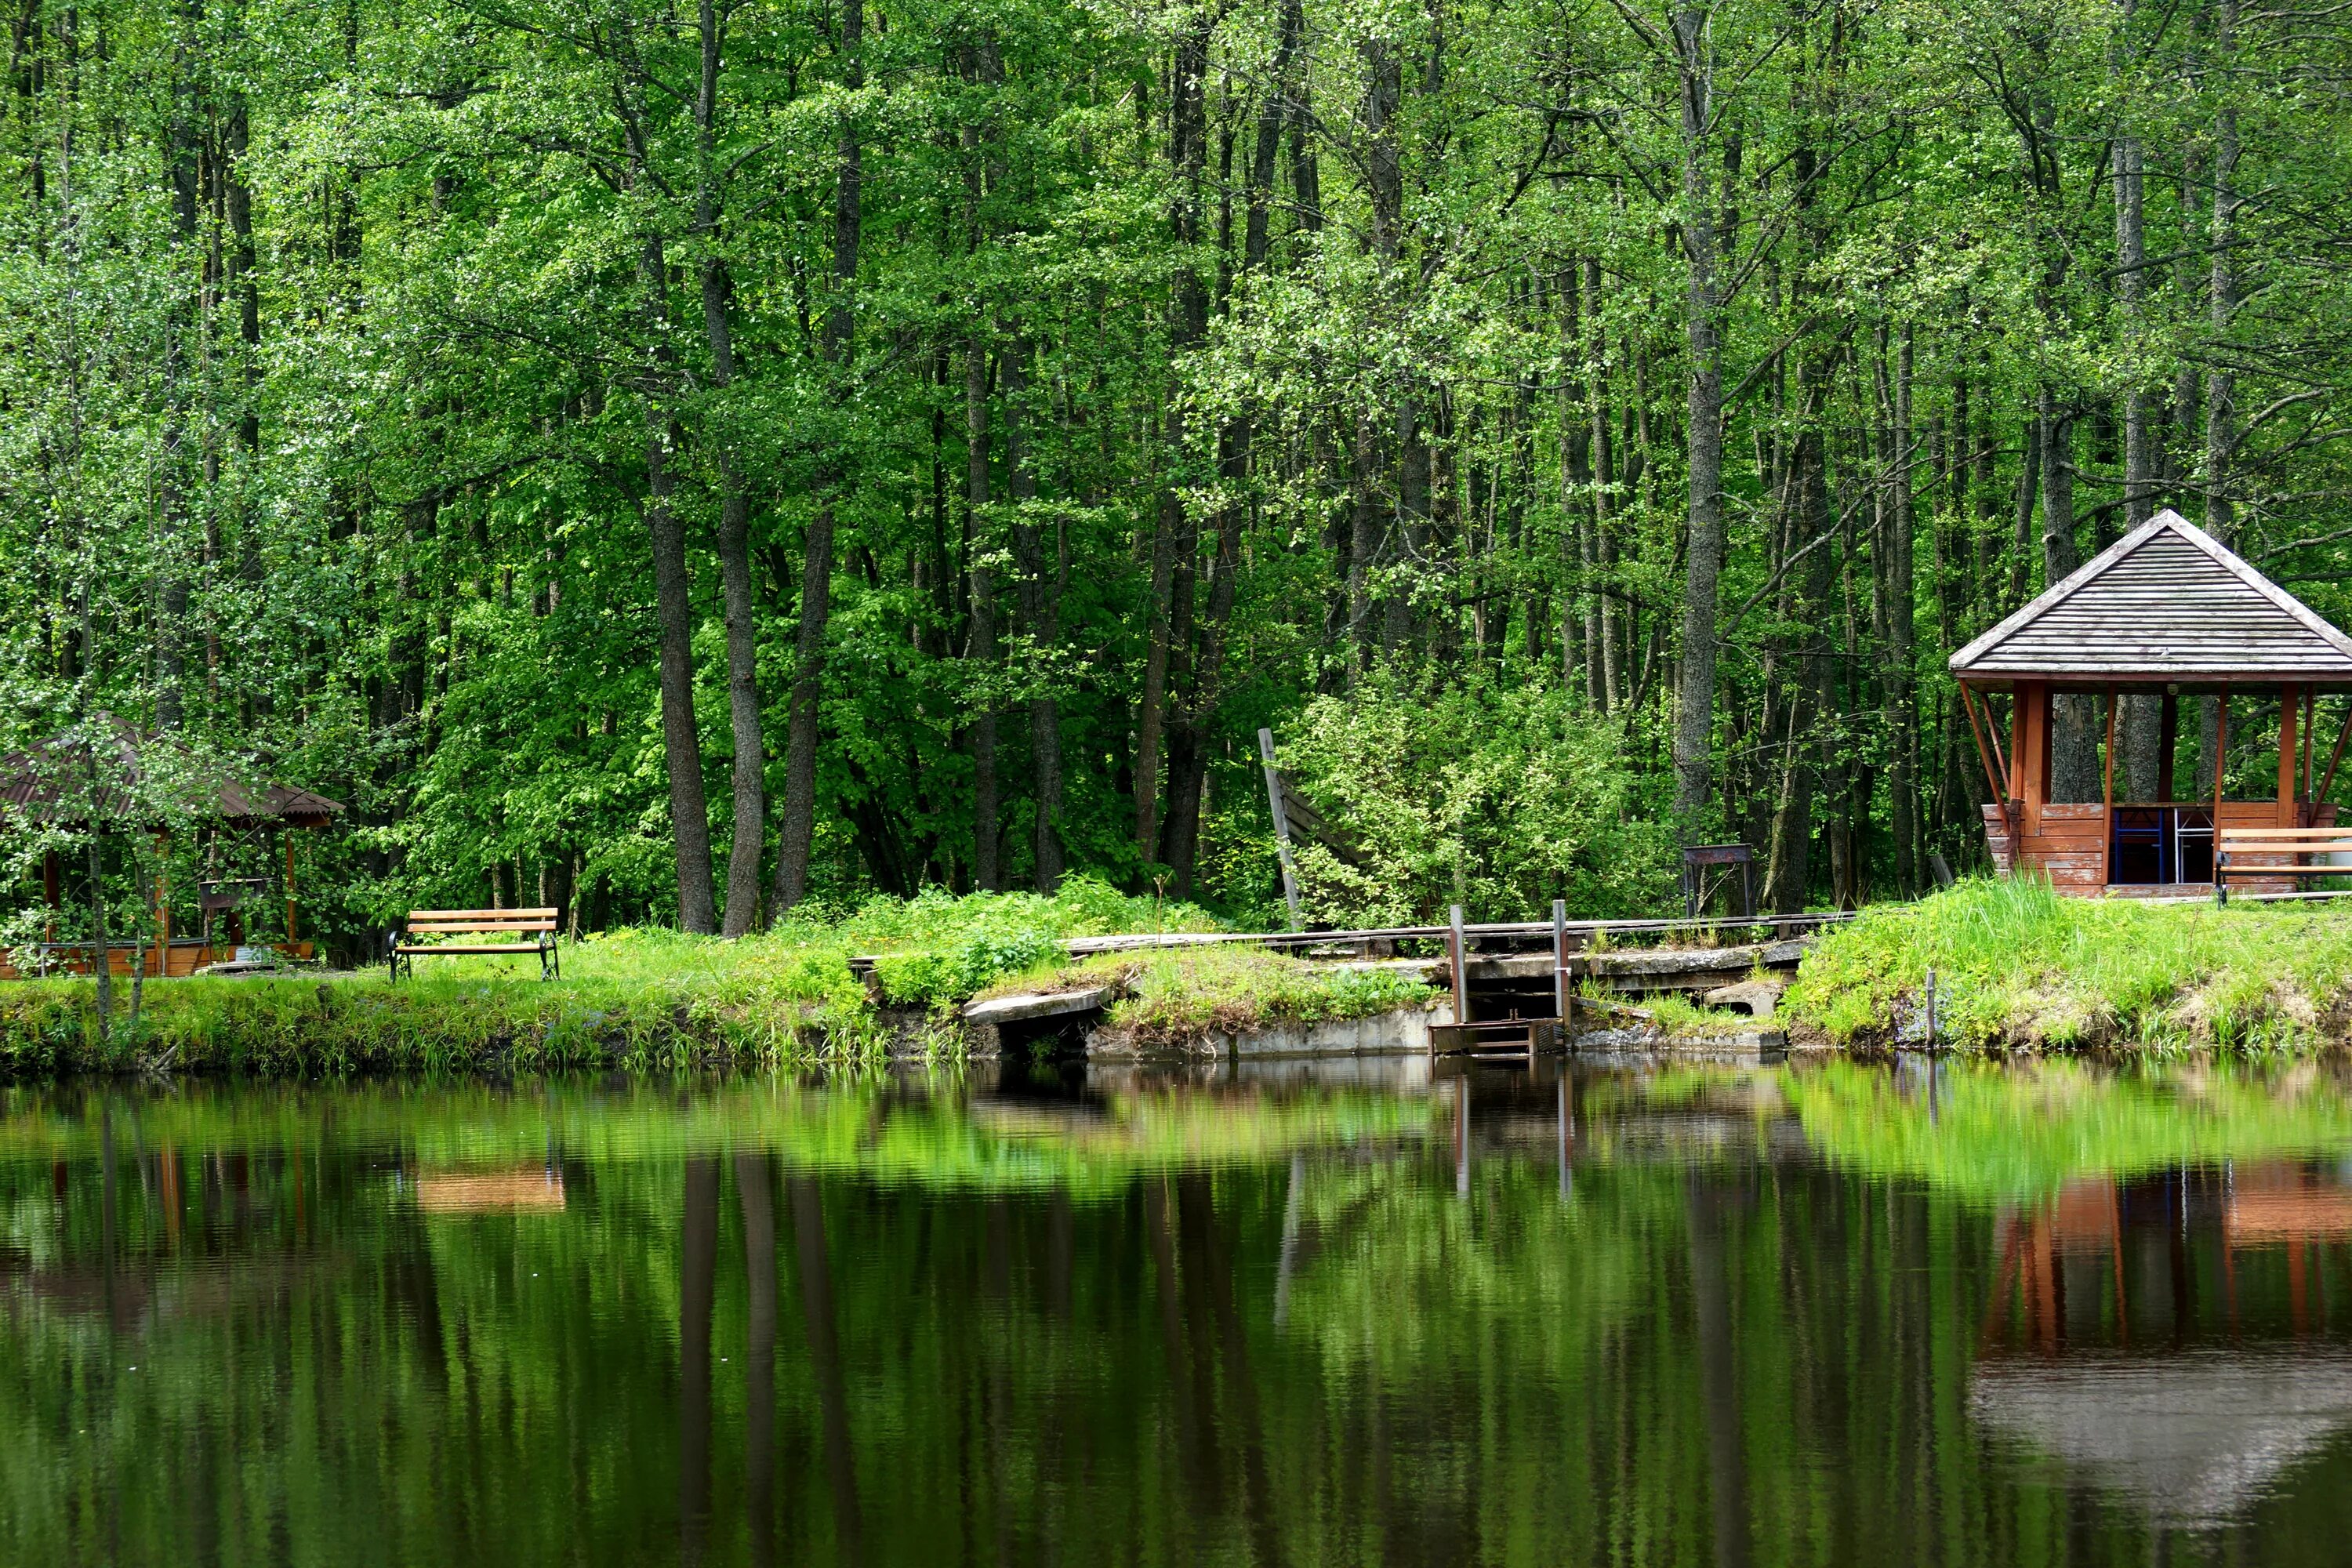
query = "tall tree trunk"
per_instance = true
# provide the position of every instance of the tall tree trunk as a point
(2074, 717)
(2140, 719)
(1703, 559)
(797, 830)
(1152, 710)
(1187, 152)
(2131, 287)
(689, 813)
(1901, 714)
(2222, 299)
(183, 152)
(1804, 606)
(1041, 612)
(979, 645)
(734, 515)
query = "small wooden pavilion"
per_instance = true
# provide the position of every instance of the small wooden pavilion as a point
(51, 783)
(2167, 609)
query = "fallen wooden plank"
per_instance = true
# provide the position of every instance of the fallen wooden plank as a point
(1024, 1005)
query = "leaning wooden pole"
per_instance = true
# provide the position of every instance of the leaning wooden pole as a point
(1277, 806)
(2325, 783)
(1997, 779)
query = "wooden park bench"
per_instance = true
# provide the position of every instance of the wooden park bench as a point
(425, 932)
(2277, 852)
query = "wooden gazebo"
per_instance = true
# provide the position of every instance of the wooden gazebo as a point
(2167, 609)
(49, 783)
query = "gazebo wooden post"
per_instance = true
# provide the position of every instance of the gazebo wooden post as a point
(2107, 799)
(290, 891)
(52, 892)
(2028, 753)
(163, 905)
(2310, 717)
(2290, 698)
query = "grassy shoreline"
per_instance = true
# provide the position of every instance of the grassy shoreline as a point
(658, 999)
(2019, 968)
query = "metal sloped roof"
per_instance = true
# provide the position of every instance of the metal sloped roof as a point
(2167, 602)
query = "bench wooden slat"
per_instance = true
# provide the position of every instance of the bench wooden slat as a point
(478, 914)
(535, 924)
(2332, 835)
(541, 922)
(2289, 846)
(519, 948)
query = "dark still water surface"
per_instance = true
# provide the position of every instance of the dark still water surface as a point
(1831, 1315)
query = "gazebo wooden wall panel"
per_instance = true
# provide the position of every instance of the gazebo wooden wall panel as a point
(2070, 848)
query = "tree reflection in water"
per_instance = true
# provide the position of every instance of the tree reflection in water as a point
(1640, 1317)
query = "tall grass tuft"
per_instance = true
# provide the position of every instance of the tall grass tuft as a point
(2018, 966)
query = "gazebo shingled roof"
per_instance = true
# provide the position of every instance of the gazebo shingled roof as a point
(2166, 604)
(32, 782)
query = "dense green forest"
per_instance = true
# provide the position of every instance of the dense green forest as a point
(681, 461)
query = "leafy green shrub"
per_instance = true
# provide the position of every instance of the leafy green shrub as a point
(939, 948)
(1497, 796)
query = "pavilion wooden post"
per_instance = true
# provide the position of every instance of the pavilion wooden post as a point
(2289, 698)
(2310, 712)
(52, 891)
(2108, 800)
(1461, 961)
(1563, 993)
(163, 905)
(2029, 754)
(289, 891)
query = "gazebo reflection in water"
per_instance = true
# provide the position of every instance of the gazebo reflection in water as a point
(2179, 1339)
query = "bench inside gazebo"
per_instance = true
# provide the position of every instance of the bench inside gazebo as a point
(2166, 610)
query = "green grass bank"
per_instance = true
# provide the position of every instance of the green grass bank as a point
(2019, 968)
(657, 999)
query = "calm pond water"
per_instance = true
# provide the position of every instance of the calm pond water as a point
(1835, 1315)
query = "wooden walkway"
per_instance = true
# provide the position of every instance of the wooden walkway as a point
(1581, 934)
